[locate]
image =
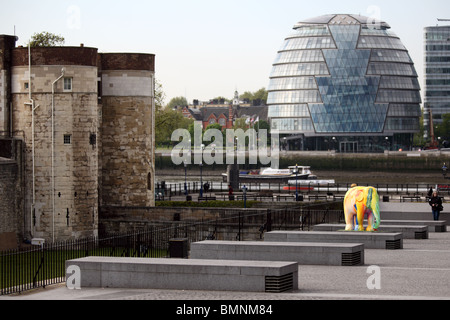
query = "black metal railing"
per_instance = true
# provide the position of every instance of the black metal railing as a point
(40, 266)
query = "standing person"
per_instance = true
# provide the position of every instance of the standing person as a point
(436, 205)
(230, 193)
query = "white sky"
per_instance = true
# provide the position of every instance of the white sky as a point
(206, 48)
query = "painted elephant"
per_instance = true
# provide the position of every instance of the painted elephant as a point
(359, 202)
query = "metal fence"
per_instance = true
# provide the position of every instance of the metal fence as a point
(36, 267)
(306, 187)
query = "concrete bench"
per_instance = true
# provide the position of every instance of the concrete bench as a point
(344, 254)
(409, 232)
(433, 226)
(186, 274)
(371, 240)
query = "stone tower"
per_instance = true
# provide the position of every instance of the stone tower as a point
(56, 112)
(127, 136)
(86, 122)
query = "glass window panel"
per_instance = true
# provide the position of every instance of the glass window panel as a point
(404, 110)
(301, 96)
(380, 43)
(377, 32)
(438, 70)
(405, 96)
(294, 125)
(299, 69)
(399, 83)
(438, 82)
(438, 59)
(299, 56)
(395, 69)
(292, 83)
(310, 31)
(402, 124)
(297, 110)
(308, 43)
(380, 55)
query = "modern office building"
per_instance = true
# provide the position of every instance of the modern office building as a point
(437, 74)
(344, 82)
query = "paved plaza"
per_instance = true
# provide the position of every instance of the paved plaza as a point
(420, 271)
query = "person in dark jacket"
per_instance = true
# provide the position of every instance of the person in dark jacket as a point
(436, 205)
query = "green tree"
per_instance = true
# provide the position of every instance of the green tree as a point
(419, 140)
(160, 96)
(260, 95)
(443, 130)
(46, 39)
(176, 102)
(167, 121)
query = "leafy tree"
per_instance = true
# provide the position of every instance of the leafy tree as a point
(46, 39)
(260, 95)
(177, 101)
(167, 121)
(262, 125)
(160, 96)
(443, 130)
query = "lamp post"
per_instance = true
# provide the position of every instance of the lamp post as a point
(201, 180)
(185, 178)
(201, 172)
(296, 182)
(245, 196)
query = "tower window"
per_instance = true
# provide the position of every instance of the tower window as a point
(67, 84)
(67, 139)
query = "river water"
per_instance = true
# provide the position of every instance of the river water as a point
(341, 177)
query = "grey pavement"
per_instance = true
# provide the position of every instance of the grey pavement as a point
(421, 271)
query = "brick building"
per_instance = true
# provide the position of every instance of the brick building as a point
(86, 122)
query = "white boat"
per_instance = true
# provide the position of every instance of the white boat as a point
(275, 175)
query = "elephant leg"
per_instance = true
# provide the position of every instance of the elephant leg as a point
(370, 220)
(349, 221)
(360, 216)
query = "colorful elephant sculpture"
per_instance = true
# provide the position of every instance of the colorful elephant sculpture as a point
(359, 202)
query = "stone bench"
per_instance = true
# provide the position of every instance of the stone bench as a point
(433, 226)
(409, 232)
(186, 274)
(371, 240)
(344, 254)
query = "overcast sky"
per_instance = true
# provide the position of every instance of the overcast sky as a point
(206, 48)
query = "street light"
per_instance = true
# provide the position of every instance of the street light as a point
(201, 172)
(245, 196)
(185, 178)
(201, 180)
(296, 182)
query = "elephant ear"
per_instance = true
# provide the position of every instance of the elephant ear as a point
(360, 196)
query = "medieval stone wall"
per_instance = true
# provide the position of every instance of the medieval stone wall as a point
(127, 134)
(87, 134)
(65, 184)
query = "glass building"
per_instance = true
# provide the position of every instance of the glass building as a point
(437, 74)
(345, 83)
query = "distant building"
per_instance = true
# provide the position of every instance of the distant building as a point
(344, 82)
(437, 74)
(86, 123)
(226, 114)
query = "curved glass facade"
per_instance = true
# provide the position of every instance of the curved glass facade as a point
(344, 80)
